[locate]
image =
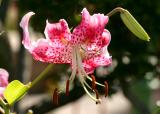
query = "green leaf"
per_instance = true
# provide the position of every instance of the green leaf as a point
(15, 91)
(133, 25)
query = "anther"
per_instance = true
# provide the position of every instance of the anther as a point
(55, 96)
(93, 82)
(67, 88)
(106, 88)
(97, 96)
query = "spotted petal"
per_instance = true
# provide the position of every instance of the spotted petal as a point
(58, 30)
(90, 29)
(103, 59)
(51, 50)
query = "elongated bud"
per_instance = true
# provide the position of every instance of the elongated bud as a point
(106, 88)
(67, 88)
(55, 96)
(133, 25)
(93, 82)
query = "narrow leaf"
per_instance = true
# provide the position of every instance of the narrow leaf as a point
(133, 25)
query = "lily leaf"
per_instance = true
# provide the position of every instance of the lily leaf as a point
(15, 91)
(133, 25)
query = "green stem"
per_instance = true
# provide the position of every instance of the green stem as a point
(118, 9)
(41, 76)
(5, 106)
(7, 110)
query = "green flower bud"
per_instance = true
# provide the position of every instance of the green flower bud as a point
(133, 25)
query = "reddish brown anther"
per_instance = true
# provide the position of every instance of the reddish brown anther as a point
(93, 82)
(106, 88)
(97, 95)
(67, 88)
(55, 96)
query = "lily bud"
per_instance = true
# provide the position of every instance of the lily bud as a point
(133, 25)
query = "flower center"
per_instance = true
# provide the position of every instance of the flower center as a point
(78, 70)
(64, 41)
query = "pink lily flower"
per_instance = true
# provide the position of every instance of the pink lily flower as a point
(84, 49)
(3, 80)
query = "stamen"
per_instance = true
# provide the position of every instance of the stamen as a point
(67, 88)
(93, 98)
(106, 88)
(74, 63)
(97, 96)
(93, 82)
(83, 71)
(55, 96)
(87, 85)
(80, 76)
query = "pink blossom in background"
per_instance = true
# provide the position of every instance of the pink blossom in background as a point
(84, 49)
(3, 80)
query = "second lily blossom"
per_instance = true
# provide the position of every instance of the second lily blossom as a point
(84, 49)
(3, 80)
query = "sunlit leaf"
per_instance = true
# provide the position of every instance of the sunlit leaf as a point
(14, 91)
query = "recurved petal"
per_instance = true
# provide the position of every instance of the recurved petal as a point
(90, 29)
(24, 24)
(51, 52)
(58, 30)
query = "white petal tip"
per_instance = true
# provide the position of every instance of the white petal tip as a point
(26, 18)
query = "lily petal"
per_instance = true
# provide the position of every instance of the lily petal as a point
(52, 49)
(24, 24)
(51, 52)
(103, 59)
(3, 77)
(90, 29)
(3, 80)
(1, 91)
(58, 30)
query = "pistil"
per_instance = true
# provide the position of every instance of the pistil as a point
(82, 74)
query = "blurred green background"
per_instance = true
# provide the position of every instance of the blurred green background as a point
(136, 66)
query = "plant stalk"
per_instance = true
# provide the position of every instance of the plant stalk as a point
(118, 9)
(41, 76)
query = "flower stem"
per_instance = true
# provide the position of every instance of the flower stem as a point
(5, 106)
(118, 9)
(41, 76)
